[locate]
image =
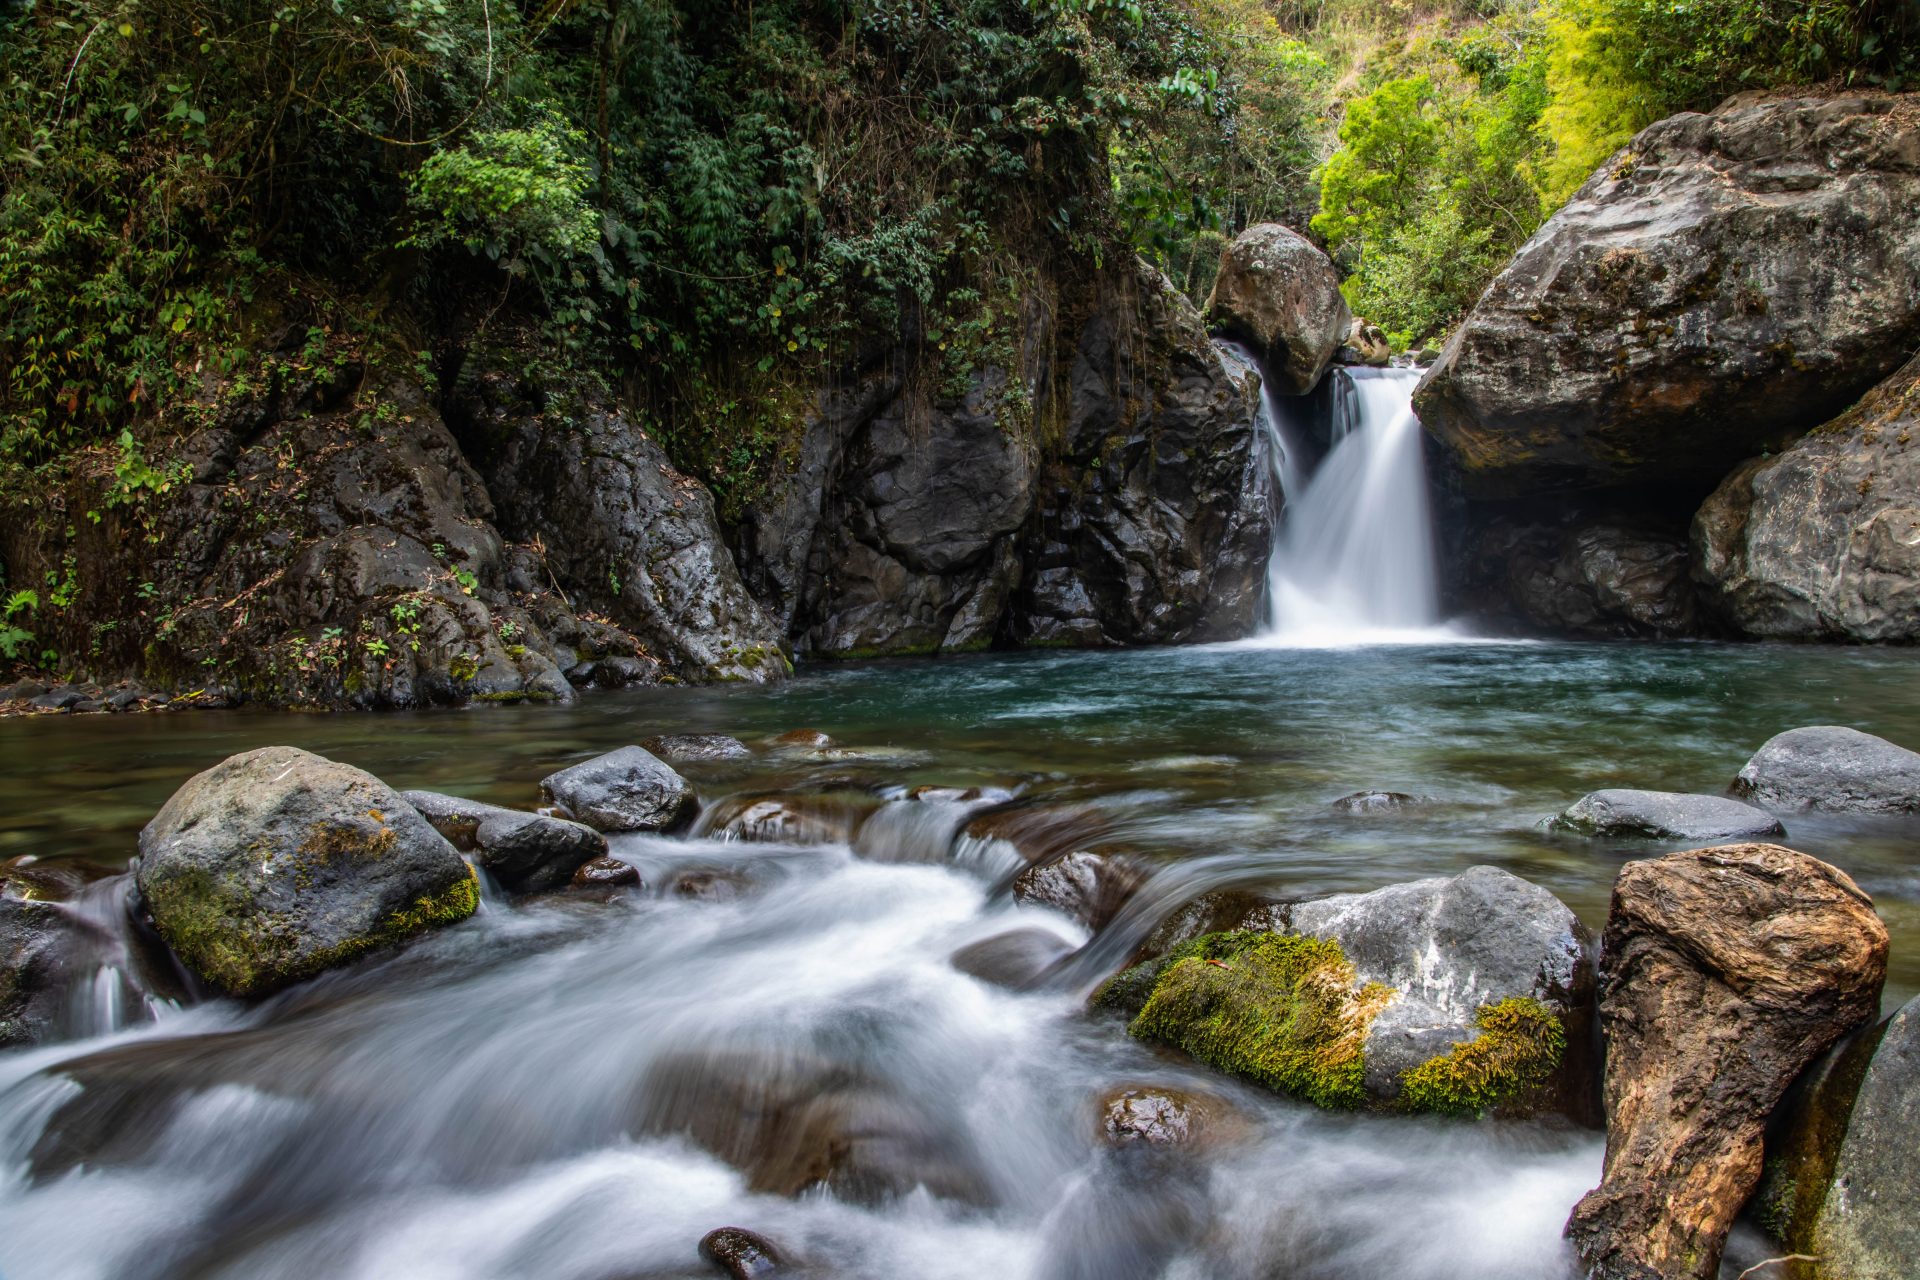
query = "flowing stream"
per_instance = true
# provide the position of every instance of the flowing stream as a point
(578, 1087)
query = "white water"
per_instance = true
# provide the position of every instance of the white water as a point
(1353, 557)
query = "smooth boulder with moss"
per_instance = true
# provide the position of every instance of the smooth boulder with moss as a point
(1725, 972)
(277, 864)
(1458, 996)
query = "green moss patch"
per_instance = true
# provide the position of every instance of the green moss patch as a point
(1283, 1011)
(1519, 1047)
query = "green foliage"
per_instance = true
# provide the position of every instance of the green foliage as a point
(15, 639)
(1519, 1047)
(518, 196)
(1282, 1010)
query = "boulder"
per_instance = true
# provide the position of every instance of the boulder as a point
(1822, 540)
(697, 748)
(1018, 959)
(1833, 768)
(1667, 815)
(277, 864)
(524, 851)
(1278, 293)
(1663, 325)
(625, 790)
(742, 1254)
(1725, 972)
(1367, 344)
(1459, 996)
(1091, 887)
(1866, 1228)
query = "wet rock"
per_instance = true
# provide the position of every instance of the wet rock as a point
(58, 700)
(1866, 1228)
(1366, 344)
(277, 864)
(1369, 803)
(1662, 325)
(524, 851)
(709, 884)
(697, 748)
(1218, 911)
(605, 873)
(625, 790)
(39, 952)
(794, 1121)
(1018, 959)
(1832, 768)
(1725, 972)
(1667, 815)
(1088, 886)
(1280, 295)
(1822, 540)
(1157, 1117)
(1460, 996)
(795, 818)
(741, 1253)
(1036, 833)
(802, 739)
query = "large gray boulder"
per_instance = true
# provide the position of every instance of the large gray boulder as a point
(1664, 324)
(1667, 815)
(626, 790)
(1278, 293)
(1834, 768)
(1867, 1228)
(1822, 540)
(277, 864)
(524, 851)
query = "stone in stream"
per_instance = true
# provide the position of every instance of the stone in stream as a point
(1663, 325)
(1832, 768)
(1725, 972)
(1667, 815)
(1154, 1116)
(1365, 803)
(1817, 541)
(277, 864)
(802, 739)
(697, 748)
(625, 790)
(1090, 886)
(604, 873)
(740, 1253)
(40, 945)
(1460, 996)
(829, 817)
(1018, 959)
(1277, 292)
(527, 852)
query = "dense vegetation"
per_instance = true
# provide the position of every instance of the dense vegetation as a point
(705, 204)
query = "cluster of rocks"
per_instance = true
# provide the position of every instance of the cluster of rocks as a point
(37, 697)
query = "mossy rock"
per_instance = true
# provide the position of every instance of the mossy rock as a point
(276, 865)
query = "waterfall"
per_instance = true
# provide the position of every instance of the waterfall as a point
(1353, 553)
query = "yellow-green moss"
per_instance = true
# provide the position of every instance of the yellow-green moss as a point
(1519, 1048)
(1284, 1011)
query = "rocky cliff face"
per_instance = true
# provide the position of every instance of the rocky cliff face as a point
(1724, 283)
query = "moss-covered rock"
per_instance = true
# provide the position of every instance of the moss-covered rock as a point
(275, 865)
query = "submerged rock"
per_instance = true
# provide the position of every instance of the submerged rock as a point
(1159, 1117)
(1667, 815)
(1277, 292)
(1377, 802)
(740, 1253)
(830, 817)
(1833, 768)
(697, 748)
(277, 864)
(625, 790)
(1457, 996)
(1822, 540)
(1018, 959)
(524, 851)
(1091, 887)
(1663, 325)
(1724, 973)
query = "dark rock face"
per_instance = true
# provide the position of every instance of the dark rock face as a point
(740, 1253)
(1724, 973)
(1833, 768)
(1090, 887)
(639, 538)
(1153, 524)
(1663, 325)
(1579, 573)
(1822, 541)
(1279, 294)
(1866, 1228)
(1667, 815)
(525, 851)
(625, 790)
(37, 962)
(276, 864)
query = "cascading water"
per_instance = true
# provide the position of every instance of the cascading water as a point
(1353, 554)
